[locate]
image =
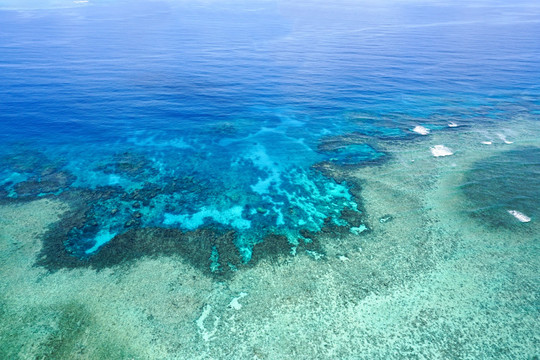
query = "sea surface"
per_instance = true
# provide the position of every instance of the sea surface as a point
(233, 134)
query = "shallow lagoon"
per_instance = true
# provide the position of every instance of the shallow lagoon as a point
(241, 181)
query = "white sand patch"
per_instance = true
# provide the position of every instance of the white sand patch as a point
(520, 216)
(234, 304)
(441, 150)
(207, 335)
(358, 230)
(452, 124)
(421, 130)
(487, 142)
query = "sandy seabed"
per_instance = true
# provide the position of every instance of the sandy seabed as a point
(427, 282)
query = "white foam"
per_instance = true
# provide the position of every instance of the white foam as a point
(487, 142)
(420, 130)
(503, 138)
(441, 150)
(452, 124)
(520, 216)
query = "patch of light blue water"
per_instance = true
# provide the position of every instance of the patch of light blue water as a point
(102, 237)
(231, 217)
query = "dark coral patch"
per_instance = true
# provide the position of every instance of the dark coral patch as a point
(374, 125)
(195, 247)
(225, 129)
(66, 243)
(35, 175)
(275, 247)
(349, 150)
(334, 143)
(51, 182)
(339, 142)
(131, 165)
(352, 217)
(28, 162)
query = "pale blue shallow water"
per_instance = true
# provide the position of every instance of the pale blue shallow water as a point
(218, 111)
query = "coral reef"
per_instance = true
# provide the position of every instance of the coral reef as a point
(122, 208)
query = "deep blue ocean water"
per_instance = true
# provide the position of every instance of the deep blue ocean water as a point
(217, 111)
